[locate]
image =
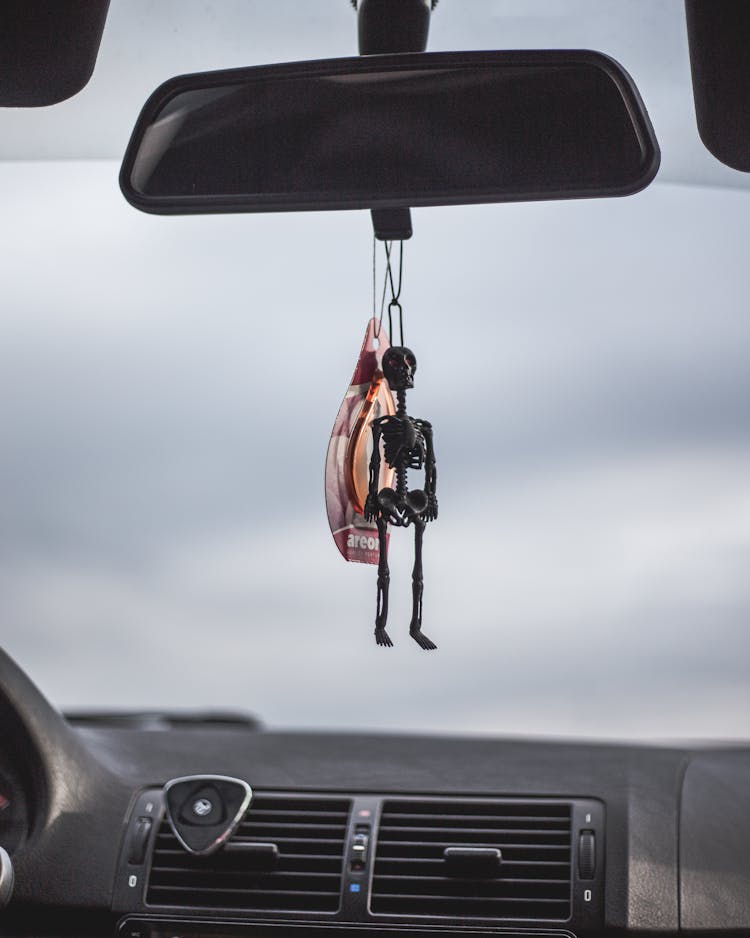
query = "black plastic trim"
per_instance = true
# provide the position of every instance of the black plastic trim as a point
(132, 926)
(188, 205)
(586, 902)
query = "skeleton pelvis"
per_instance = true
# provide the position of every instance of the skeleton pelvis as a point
(402, 511)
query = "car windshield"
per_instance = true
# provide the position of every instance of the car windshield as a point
(169, 386)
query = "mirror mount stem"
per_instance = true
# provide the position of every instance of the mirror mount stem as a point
(386, 26)
(391, 224)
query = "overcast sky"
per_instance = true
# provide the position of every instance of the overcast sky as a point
(169, 387)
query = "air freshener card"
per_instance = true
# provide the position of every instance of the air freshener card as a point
(348, 459)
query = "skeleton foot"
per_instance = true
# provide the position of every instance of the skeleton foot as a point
(421, 639)
(383, 638)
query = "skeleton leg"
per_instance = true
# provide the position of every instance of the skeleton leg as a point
(384, 579)
(417, 583)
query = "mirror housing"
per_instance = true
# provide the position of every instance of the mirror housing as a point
(391, 131)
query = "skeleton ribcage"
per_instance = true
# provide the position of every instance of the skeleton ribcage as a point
(403, 443)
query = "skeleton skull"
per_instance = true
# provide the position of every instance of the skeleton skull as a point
(399, 366)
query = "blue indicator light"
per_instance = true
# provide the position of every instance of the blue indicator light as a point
(353, 887)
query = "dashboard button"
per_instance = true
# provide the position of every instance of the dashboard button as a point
(358, 853)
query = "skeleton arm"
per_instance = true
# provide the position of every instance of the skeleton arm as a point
(371, 504)
(430, 472)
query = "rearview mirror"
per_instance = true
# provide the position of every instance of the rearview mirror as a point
(391, 131)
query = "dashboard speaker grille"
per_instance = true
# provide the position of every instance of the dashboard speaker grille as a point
(310, 834)
(532, 880)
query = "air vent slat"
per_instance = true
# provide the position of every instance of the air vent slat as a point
(460, 820)
(311, 863)
(484, 900)
(288, 845)
(388, 833)
(283, 814)
(471, 889)
(255, 829)
(404, 846)
(532, 882)
(536, 869)
(190, 898)
(466, 908)
(449, 881)
(273, 882)
(311, 841)
(283, 838)
(236, 891)
(478, 808)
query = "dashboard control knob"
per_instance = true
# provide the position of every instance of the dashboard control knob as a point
(586, 855)
(6, 878)
(139, 840)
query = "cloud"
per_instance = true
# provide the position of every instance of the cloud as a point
(567, 613)
(172, 386)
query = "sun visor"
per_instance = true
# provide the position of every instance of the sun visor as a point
(48, 49)
(719, 37)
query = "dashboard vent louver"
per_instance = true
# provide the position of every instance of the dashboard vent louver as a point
(531, 882)
(310, 833)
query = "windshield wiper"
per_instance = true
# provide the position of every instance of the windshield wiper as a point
(161, 720)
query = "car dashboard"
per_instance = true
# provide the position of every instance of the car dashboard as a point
(367, 834)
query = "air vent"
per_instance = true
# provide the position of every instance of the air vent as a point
(309, 833)
(414, 876)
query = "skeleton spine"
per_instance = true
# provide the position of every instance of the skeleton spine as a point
(402, 486)
(401, 481)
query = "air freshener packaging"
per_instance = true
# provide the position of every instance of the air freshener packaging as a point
(348, 461)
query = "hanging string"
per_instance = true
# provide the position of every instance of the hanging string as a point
(382, 298)
(395, 293)
(374, 278)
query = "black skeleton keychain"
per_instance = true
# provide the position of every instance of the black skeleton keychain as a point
(407, 444)
(374, 444)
